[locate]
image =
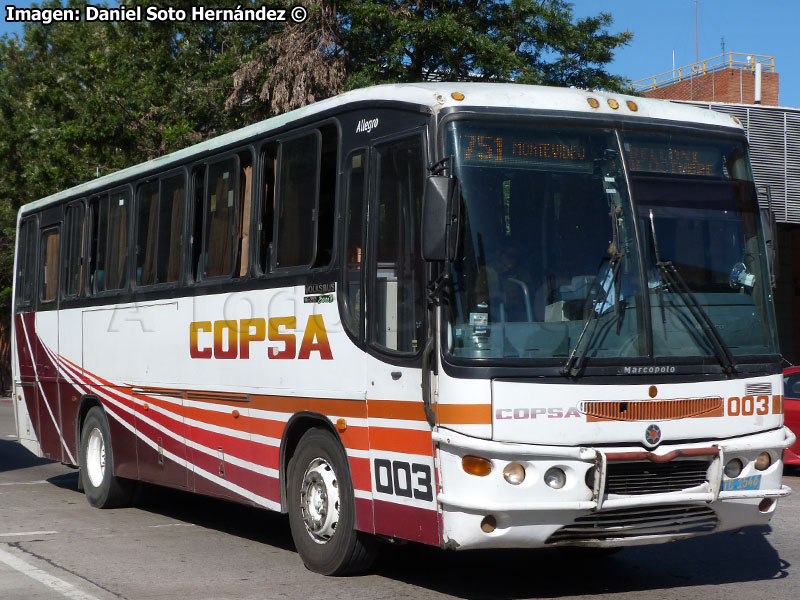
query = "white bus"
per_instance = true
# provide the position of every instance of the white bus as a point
(467, 315)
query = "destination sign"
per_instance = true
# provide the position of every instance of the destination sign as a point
(516, 150)
(674, 159)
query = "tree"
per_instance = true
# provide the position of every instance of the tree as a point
(526, 41)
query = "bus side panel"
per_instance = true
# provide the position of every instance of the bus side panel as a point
(46, 337)
(69, 344)
(26, 406)
(401, 455)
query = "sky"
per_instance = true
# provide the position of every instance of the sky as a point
(768, 27)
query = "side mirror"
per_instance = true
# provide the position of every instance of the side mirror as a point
(440, 208)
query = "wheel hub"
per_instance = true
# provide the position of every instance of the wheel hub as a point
(319, 500)
(96, 458)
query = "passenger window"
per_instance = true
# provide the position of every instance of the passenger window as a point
(146, 233)
(48, 265)
(99, 238)
(74, 230)
(26, 262)
(220, 212)
(117, 246)
(299, 160)
(399, 300)
(267, 213)
(245, 210)
(327, 195)
(354, 236)
(159, 224)
(170, 228)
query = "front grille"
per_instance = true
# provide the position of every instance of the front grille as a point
(678, 519)
(758, 389)
(636, 478)
(651, 410)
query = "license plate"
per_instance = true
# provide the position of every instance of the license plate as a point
(743, 483)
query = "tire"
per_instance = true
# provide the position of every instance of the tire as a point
(102, 488)
(322, 513)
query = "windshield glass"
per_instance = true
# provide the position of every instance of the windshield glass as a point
(696, 203)
(546, 244)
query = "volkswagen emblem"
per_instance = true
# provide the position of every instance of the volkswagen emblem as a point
(652, 435)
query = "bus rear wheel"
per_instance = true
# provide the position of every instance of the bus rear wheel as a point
(102, 488)
(322, 508)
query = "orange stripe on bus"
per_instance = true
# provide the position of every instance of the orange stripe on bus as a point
(777, 405)
(464, 414)
(401, 440)
(355, 438)
(395, 409)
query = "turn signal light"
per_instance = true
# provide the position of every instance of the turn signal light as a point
(475, 465)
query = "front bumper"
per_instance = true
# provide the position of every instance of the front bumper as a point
(532, 514)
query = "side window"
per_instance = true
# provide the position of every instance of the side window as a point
(98, 226)
(159, 226)
(267, 213)
(146, 232)
(172, 206)
(242, 246)
(220, 214)
(299, 162)
(398, 304)
(117, 246)
(327, 195)
(354, 238)
(26, 262)
(48, 265)
(74, 230)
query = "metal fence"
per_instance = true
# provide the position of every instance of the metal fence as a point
(774, 136)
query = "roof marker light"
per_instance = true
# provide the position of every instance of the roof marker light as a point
(736, 119)
(632, 105)
(593, 102)
(457, 96)
(613, 103)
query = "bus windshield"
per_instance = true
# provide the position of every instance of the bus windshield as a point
(548, 265)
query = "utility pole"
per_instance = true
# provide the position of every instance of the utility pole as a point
(696, 38)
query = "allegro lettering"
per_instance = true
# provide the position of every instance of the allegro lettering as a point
(232, 339)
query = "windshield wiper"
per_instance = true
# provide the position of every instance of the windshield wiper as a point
(669, 275)
(575, 361)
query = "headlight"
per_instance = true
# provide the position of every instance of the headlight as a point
(763, 461)
(733, 468)
(514, 473)
(555, 478)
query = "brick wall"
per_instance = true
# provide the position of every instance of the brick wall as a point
(728, 85)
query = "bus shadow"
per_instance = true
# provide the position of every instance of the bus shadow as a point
(729, 557)
(14, 456)
(258, 525)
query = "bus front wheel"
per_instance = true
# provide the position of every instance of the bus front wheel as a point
(102, 488)
(322, 508)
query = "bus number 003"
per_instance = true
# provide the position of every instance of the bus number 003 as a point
(748, 405)
(400, 478)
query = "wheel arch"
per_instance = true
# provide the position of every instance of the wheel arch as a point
(298, 425)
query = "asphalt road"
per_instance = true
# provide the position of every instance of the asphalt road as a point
(176, 545)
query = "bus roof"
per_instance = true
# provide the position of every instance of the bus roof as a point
(435, 96)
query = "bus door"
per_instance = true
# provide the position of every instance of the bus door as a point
(46, 335)
(26, 405)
